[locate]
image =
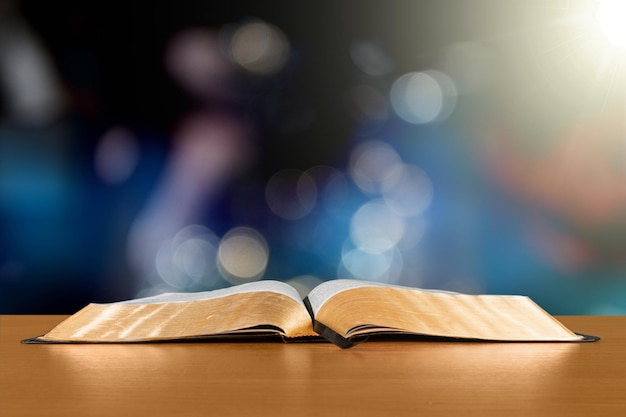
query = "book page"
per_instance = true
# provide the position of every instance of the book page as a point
(175, 297)
(178, 316)
(324, 291)
(363, 309)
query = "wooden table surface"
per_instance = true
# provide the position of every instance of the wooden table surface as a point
(257, 379)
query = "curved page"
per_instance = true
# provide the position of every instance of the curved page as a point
(323, 292)
(354, 309)
(264, 305)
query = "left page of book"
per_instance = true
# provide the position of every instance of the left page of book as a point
(269, 307)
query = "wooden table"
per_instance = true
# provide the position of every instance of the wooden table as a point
(257, 379)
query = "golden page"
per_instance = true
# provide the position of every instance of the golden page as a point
(367, 309)
(234, 313)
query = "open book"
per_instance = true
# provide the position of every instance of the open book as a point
(341, 311)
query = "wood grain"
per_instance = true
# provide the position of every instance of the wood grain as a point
(257, 379)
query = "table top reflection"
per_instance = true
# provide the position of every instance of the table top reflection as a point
(273, 378)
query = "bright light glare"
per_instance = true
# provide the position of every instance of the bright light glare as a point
(611, 16)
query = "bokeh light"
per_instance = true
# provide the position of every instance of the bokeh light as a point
(407, 190)
(188, 261)
(194, 59)
(423, 97)
(338, 196)
(380, 267)
(32, 89)
(479, 146)
(259, 47)
(375, 228)
(370, 163)
(243, 255)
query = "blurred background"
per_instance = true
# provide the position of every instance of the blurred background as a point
(475, 146)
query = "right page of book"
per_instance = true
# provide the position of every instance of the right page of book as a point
(358, 308)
